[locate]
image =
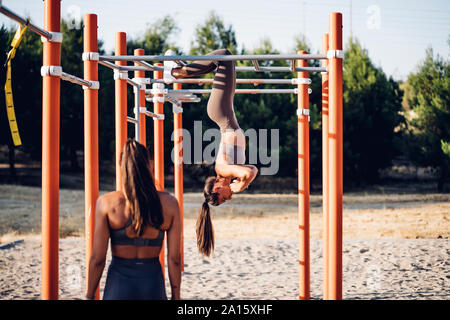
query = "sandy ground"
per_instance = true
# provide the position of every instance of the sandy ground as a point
(258, 269)
(396, 246)
(366, 215)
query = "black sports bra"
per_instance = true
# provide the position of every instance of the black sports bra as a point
(119, 237)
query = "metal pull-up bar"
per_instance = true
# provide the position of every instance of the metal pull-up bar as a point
(239, 81)
(281, 69)
(248, 91)
(74, 79)
(148, 67)
(241, 57)
(254, 58)
(7, 12)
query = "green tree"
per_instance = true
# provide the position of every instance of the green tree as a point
(372, 106)
(301, 43)
(157, 37)
(430, 124)
(212, 35)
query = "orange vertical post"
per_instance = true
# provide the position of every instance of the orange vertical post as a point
(178, 167)
(158, 108)
(142, 116)
(121, 105)
(91, 174)
(303, 183)
(325, 167)
(335, 159)
(50, 156)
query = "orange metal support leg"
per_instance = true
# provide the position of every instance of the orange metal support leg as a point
(325, 167)
(335, 160)
(91, 174)
(50, 156)
(178, 168)
(142, 116)
(159, 148)
(121, 105)
(303, 185)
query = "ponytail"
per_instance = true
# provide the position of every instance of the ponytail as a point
(139, 188)
(204, 230)
(204, 227)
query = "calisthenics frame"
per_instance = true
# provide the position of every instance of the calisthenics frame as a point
(331, 69)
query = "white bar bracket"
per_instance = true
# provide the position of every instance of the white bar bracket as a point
(159, 91)
(95, 85)
(120, 75)
(157, 99)
(158, 88)
(90, 56)
(157, 85)
(141, 110)
(339, 54)
(301, 112)
(55, 37)
(55, 71)
(177, 108)
(141, 87)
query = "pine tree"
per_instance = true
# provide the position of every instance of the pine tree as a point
(430, 123)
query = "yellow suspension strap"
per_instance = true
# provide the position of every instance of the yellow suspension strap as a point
(8, 88)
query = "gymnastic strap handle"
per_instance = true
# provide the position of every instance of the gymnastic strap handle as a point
(8, 87)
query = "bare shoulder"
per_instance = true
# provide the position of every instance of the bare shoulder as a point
(110, 200)
(168, 201)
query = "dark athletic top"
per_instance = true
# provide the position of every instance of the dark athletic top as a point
(119, 237)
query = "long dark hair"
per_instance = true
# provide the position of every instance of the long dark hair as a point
(204, 227)
(139, 187)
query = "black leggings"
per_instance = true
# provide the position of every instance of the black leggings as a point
(134, 279)
(220, 104)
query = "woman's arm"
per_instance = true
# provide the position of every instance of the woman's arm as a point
(173, 249)
(99, 249)
(245, 174)
(243, 182)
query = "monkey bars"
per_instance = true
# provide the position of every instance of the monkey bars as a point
(331, 70)
(207, 91)
(230, 57)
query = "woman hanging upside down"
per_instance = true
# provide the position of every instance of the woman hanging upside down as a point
(233, 175)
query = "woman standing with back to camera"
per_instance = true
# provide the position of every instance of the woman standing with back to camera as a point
(136, 219)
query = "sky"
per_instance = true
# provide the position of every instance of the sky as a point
(395, 33)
